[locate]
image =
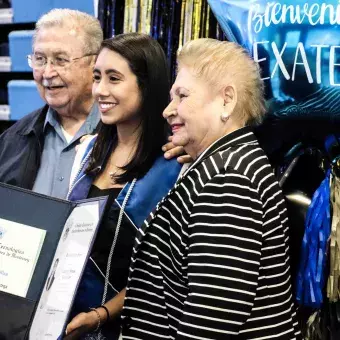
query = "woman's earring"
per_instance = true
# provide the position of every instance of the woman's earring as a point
(225, 115)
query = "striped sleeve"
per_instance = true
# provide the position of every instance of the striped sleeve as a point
(224, 251)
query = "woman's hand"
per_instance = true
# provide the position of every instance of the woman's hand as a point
(172, 151)
(83, 323)
(87, 322)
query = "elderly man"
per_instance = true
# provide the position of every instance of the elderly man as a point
(38, 151)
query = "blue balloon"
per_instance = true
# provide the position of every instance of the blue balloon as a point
(297, 45)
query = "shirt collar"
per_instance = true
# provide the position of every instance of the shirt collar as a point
(51, 118)
(87, 128)
(241, 136)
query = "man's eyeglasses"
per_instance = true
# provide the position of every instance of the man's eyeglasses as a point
(39, 61)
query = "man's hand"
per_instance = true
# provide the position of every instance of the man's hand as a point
(172, 151)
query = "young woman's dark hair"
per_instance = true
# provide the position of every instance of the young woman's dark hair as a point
(147, 61)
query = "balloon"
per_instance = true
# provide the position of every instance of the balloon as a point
(297, 45)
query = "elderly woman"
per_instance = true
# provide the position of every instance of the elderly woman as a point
(212, 260)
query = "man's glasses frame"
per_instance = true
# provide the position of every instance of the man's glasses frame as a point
(40, 61)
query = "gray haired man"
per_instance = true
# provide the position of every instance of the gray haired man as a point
(37, 152)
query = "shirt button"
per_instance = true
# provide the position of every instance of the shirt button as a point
(61, 178)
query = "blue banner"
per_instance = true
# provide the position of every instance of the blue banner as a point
(297, 45)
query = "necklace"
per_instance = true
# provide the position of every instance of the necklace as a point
(113, 174)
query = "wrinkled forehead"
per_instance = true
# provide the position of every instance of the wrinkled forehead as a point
(66, 39)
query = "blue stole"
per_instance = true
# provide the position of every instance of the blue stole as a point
(147, 192)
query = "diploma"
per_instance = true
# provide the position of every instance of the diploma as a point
(20, 246)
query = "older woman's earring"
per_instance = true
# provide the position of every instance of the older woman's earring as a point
(225, 116)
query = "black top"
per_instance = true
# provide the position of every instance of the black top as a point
(96, 192)
(104, 239)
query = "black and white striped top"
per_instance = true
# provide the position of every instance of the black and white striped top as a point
(212, 261)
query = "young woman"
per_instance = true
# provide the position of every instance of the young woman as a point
(124, 161)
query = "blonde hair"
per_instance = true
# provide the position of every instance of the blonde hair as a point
(91, 31)
(221, 63)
